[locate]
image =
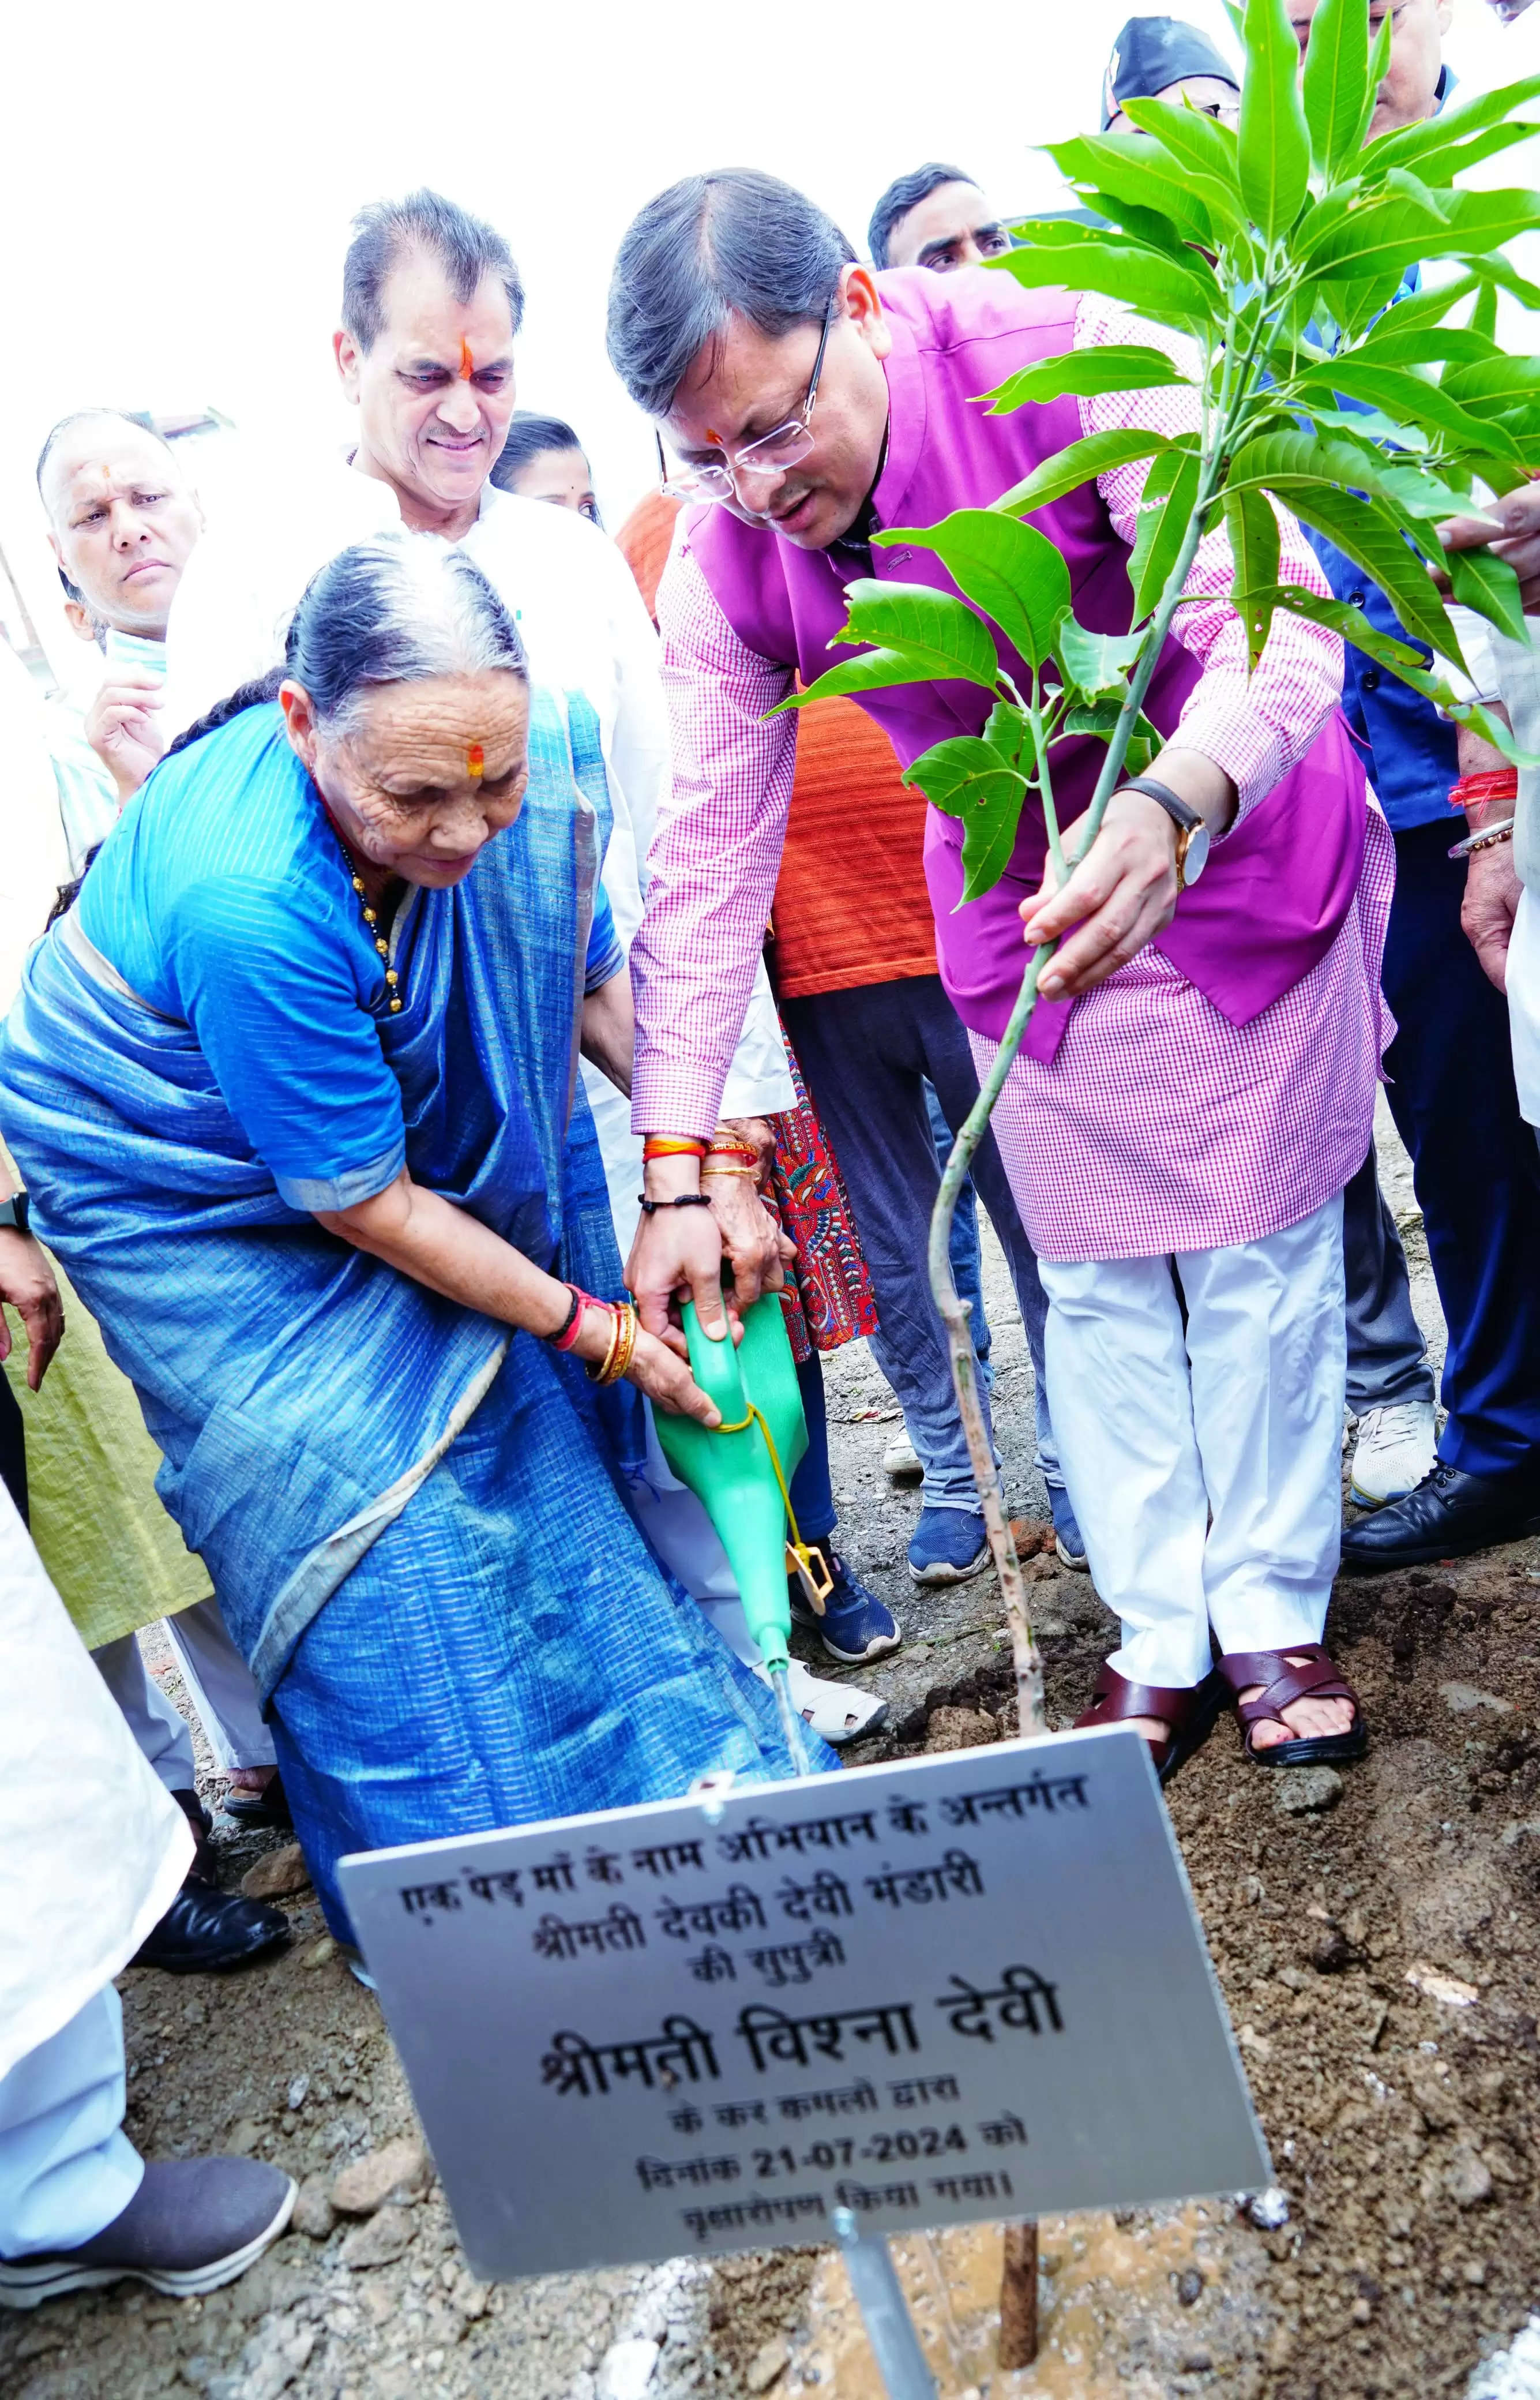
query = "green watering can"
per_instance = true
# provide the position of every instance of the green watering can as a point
(741, 1476)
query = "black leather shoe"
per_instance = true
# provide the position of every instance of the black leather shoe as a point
(1447, 1516)
(205, 1930)
(197, 1817)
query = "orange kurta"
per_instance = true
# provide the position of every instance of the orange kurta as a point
(850, 904)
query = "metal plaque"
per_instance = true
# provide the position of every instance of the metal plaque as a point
(965, 1986)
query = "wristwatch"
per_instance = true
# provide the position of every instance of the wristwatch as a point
(1191, 832)
(14, 1211)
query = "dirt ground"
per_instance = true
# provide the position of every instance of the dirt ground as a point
(1376, 1947)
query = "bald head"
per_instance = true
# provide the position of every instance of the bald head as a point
(122, 520)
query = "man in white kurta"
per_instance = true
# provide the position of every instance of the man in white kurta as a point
(92, 1851)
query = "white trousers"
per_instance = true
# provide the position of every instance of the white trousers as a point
(160, 1729)
(219, 1684)
(1204, 1461)
(221, 1687)
(66, 2166)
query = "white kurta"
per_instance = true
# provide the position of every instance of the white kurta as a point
(1510, 671)
(586, 629)
(92, 1848)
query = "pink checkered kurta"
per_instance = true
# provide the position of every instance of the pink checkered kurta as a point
(1159, 1126)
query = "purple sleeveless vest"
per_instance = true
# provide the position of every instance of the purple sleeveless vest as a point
(1274, 893)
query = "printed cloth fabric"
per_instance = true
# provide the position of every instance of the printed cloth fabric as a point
(309, 1399)
(829, 1300)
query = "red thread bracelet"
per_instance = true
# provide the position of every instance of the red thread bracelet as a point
(1474, 791)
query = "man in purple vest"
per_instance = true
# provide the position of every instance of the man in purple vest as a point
(1199, 1084)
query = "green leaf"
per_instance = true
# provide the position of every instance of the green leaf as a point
(1097, 663)
(1490, 386)
(1274, 152)
(1400, 393)
(1254, 538)
(1402, 662)
(1195, 141)
(1379, 67)
(1484, 221)
(911, 617)
(1098, 717)
(1006, 730)
(1009, 569)
(1132, 169)
(1165, 508)
(1440, 167)
(1144, 280)
(873, 671)
(1369, 425)
(1281, 460)
(1500, 271)
(1375, 542)
(1098, 454)
(920, 637)
(1336, 77)
(1116, 367)
(1483, 317)
(1489, 586)
(1406, 147)
(1371, 237)
(970, 779)
(1415, 347)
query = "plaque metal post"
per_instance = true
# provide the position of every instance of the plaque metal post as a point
(884, 2311)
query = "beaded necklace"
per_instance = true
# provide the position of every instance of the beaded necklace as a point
(371, 918)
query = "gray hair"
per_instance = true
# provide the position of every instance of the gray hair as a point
(403, 608)
(736, 243)
(388, 231)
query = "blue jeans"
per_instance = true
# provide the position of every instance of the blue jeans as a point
(1386, 1353)
(963, 1251)
(1473, 1160)
(866, 1056)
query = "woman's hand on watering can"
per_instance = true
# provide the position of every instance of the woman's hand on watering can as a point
(668, 1382)
(751, 1240)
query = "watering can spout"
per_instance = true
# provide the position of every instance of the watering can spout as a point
(732, 1468)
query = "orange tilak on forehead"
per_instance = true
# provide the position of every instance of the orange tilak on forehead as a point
(475, 762)
(466, 362)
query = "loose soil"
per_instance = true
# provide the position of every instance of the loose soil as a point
(1377, 1956)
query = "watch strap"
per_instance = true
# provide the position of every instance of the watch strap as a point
(1162, 794)
(14, 1211)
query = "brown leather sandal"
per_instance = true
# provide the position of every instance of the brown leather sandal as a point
(1191, 1713)
(1283, 1684)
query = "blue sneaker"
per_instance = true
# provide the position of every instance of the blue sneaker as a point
(1069, 1541)
(854, 1627)
(950, 1545)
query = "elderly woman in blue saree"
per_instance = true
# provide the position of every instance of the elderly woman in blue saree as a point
(293, 1087)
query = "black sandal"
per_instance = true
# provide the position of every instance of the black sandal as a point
(1283, 1684)
(1190, 1712)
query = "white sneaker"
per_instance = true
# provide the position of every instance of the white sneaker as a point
(840, 1713)
(901, 1461)
(1394, 1450)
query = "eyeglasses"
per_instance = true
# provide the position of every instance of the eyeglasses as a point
(771, 454)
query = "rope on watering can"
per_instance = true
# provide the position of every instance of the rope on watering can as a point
(808, 1561)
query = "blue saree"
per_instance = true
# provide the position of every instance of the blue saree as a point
(414, 1521)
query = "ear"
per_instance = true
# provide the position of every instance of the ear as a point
(859, 295)
(349, 358)
(1446, 14)
(79, 620)
(299, 719)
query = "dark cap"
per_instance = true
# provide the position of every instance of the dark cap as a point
(1152, 52)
